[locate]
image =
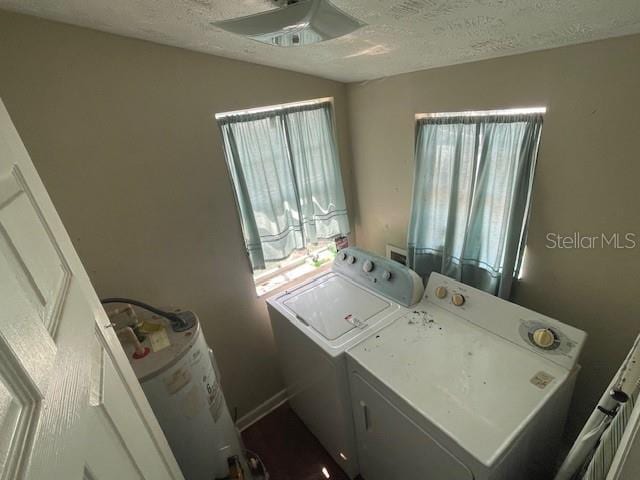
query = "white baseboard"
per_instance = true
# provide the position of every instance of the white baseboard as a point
(262, 410)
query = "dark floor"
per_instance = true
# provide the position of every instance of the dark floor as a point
(288, 449)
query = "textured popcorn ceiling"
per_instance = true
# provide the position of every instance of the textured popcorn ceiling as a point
(401, 36)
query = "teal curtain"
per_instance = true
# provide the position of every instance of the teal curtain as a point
(471, 197)
(286, 176)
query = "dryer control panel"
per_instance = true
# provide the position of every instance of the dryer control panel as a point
(382, 275)
(546, 336)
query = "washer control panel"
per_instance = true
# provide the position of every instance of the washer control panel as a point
(391, 279)
(548, 337)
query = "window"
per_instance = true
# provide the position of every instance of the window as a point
(285, 170)
(472, 189)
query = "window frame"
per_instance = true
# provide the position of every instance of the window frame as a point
(519, 274)
(267, 275)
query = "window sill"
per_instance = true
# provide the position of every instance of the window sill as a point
(281, 282)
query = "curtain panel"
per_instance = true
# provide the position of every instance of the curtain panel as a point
(471, 196)
(286, 176)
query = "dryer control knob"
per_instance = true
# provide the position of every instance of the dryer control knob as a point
(544, 337)
(368, 266)
(458, 299)
(351, 259)
(441, 292)
(386, 275)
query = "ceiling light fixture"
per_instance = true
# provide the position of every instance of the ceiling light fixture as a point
(296, 23)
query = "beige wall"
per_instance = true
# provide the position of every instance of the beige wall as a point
(123, 135)
(587, 178)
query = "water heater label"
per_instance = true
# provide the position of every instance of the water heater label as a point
(212, 388)
(215, 400)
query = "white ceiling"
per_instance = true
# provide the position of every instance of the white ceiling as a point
(401, 35)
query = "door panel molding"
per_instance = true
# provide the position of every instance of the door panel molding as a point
(50, 296)
(20, 403)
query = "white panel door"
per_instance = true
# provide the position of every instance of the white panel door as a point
(70, 405)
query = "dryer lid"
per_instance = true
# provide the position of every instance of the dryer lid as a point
(335, 306)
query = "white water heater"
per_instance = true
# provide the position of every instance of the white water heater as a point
(179, 375)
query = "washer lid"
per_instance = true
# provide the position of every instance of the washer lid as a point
(335, 306)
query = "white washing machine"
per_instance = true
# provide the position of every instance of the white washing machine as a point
(314, 323)
(465, 387)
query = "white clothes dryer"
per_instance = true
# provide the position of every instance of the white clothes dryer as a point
(464, 387)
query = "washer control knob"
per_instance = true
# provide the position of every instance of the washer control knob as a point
(441, 292)
(544, 337)
(367, 266)
(458, 299)
(342, 256)
(386, 275)
(351, 259)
